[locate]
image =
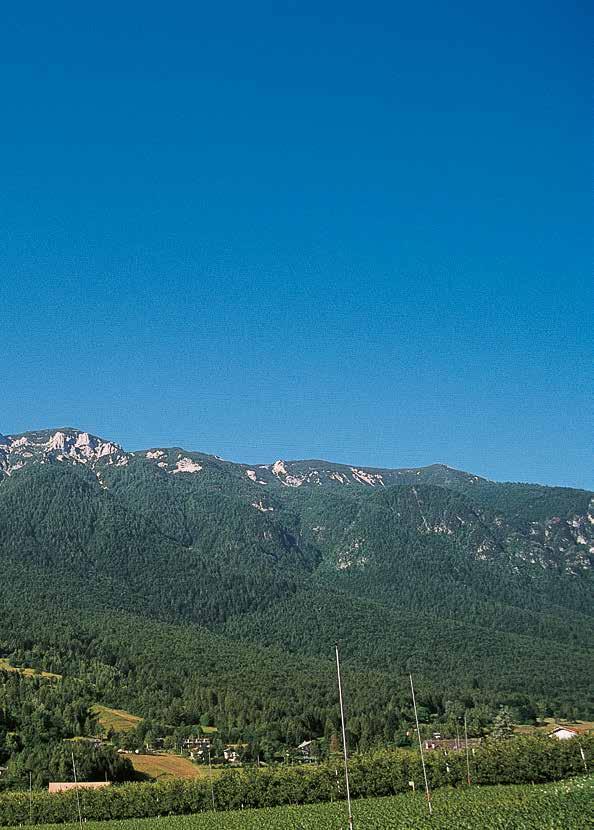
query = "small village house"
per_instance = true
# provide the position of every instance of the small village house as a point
(199, 748)
(563, 733)
(307, 750)
(231, 755)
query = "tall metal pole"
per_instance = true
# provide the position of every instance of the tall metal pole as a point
(583, 754)
(344, 741)
(427, 790)
(467, 755)
(76, 788)
(210, 776)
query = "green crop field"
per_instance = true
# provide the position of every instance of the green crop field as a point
(565, 805)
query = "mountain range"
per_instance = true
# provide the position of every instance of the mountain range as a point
(239, 578)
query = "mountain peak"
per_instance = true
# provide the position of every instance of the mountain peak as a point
(49, 445)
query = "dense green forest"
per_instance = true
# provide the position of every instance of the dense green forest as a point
(43, 725)
(185, 588)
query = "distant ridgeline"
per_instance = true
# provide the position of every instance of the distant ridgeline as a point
(181, 586)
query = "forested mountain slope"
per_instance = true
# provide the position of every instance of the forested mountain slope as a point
(223, 586)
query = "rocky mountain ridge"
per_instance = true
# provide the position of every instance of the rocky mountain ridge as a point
(542, 536)
(61, 445)
(75, 446)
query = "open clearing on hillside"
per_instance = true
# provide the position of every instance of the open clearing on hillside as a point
(117, 719)
(121, 721)
(564, 805)
(27, 672)
(163, 765)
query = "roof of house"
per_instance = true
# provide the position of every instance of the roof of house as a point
(564, 729)
(61, 786)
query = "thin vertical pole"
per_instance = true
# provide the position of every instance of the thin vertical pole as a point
(583, 754)
(344, 741)
(30, 797)
(467, 755)
(211, 784)
(427, 790)
(77, 793)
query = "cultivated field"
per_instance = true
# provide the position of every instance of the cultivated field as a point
(163, 765)
(565, 805)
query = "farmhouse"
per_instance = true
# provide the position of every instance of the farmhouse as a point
(307, 750)
(199, 748)
(194, 742)
(230, 754)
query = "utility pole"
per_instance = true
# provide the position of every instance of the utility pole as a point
(30, 797)
(344, 741)
(427, 790)
(77, 793)
(211, 783)
(467, 755)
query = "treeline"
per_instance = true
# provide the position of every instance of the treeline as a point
(524, 760)
(44, 725)
(179, 676)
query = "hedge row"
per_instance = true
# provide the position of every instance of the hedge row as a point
(521, 761)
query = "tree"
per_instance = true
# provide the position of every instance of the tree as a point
(503, 725)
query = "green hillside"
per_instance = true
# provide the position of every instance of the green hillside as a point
(179, 586)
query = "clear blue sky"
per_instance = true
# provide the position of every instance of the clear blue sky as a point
(356, 231)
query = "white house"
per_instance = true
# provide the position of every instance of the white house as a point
(230, 755)
(563, 733)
